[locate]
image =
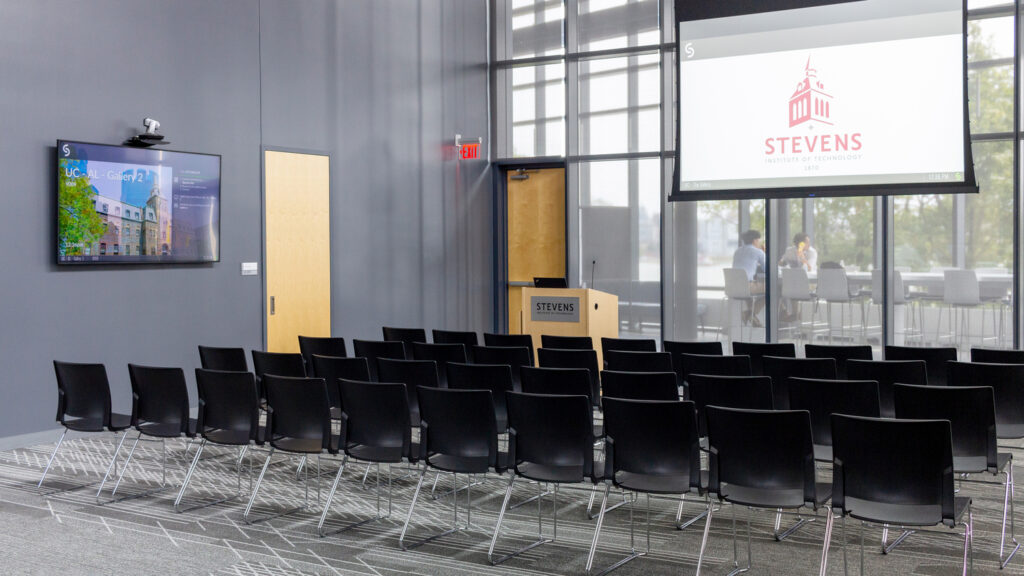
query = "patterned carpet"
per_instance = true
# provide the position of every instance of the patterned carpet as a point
(48, 531)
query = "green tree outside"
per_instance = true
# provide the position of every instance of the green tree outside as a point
(78, 223)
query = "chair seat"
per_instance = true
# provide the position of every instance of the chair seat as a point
(297, 445)
(550, 473)
(230, 437)
(467, 464)
(654, 483)
(598, 431)
(335, 413)
(90, 424)
(167, 430)
(970, 464)
(382, 454)
(822, 453)
(1008, 431)
(773, 497)
(903, 514)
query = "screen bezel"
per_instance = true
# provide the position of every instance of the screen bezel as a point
(152, 260)
(689, 10)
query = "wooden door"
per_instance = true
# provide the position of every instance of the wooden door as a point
(298, 248)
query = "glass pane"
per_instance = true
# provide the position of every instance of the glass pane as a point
(612, 119)
(534, 28)
(608, 24)
(990, 74)
(538, 110)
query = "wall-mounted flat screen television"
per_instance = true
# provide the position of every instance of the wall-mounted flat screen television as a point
(123, 205)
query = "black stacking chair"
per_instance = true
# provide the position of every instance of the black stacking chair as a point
(747, 392)
(887, 373)
(677, 347)
(330, 368)
(573, 358)
(640, 385)
(758, 350)
(467, 339)
(412, 373)
(213, 358)
(441, 354)
(310, 345)
(506, 340)
(1007, 381)
(841, 354)
(406, 336)
(897, 473)
(651, 448)
(515, 357)
(628, 361)
(228, 416)
(278, 364)
(749, 466)
(971, 411)
(494, 377)
(458, 435)
(997, 356)
(299, 423)
(628, 345)
(83, 405)
(935, 358)
(823, 397)
(159, 411)
(566, 342)
(374, 429)
(557, 381)
(550, 440)
(782, 369)
(711, 365)
(373, 349)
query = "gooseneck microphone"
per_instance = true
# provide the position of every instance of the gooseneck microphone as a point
(593, 267)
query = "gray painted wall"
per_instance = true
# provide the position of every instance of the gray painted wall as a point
(380, 85)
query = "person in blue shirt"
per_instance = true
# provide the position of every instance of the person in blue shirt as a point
(750, 257)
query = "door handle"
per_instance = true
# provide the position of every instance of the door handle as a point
(271, 305)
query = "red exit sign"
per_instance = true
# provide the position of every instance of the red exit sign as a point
(469, 151)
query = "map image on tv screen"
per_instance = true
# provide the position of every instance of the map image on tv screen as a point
(117, 204)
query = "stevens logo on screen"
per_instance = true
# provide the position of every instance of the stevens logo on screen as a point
(809, 106)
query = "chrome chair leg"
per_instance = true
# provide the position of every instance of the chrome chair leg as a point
(735, 551)
(455, 515)
(829, 522)
(680, 525)
(50, 461)
(191, 471)
(1008, 503)
(704, 539)
(256, 491)
(124, 469)
(497, 529)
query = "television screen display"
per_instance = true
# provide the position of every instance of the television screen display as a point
(122, 205)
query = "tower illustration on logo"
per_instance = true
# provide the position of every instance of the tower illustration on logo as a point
(810, 102)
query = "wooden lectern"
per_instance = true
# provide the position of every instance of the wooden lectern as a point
(568, 312)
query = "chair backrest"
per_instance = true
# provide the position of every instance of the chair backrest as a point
(321, 346)
(278, 364)
(494, 377)
(677, 347)
(566, 342)
(652, 438)
(405, 335)
(748, 392)
(460, 424)
(373, 349)
(997, 356)
(331, 368)
(229, 406)
(782, 369)
(899, 293)
(823, 398)
(299, 410)
(934, 358)
(758, 350)
(442, 354)
(628, 344)
(892, 466)
(629, 361)
(552, 431)
(214, 358)
(561, 381)
(795, 284)
(515, 357)
(961, 287)
(376, 415)
(764, 450)
(737, 285)
(711, 364)
(839, 353)
(573, 358)
(159, 400)
(877, 290)
(887, 373)
(506, 340)
(412, 373)
(1007, 382)
(467, 339)
(833, 284)
(640, 385)
(83, 395)
(971, 411)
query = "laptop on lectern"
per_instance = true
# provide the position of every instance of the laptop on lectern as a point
(550, 282)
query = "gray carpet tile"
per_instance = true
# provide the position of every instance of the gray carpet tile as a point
(57, 531)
